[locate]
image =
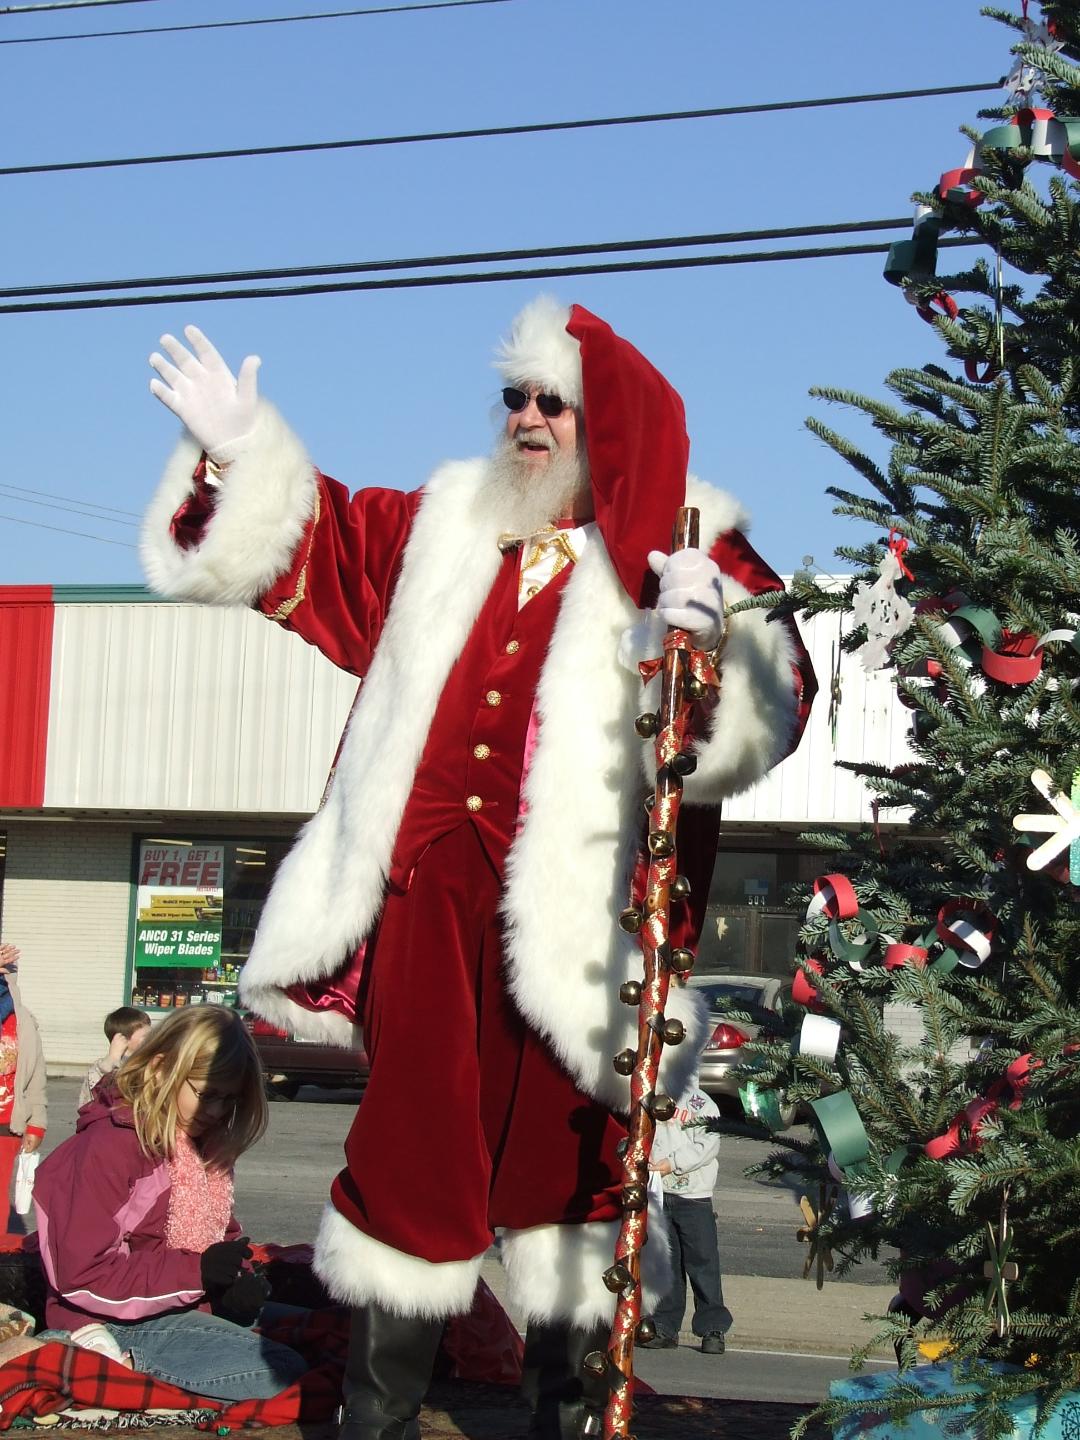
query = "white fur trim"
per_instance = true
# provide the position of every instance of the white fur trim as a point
(265, 501)
(568, 872)
(753, 722)
(539, 350)
(555, 1272)
(642, 641)
(358, 1270)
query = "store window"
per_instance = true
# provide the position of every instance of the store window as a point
(197, 905)
(749, 928)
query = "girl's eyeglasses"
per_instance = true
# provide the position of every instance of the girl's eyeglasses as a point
(206, 1096)
(549, 406)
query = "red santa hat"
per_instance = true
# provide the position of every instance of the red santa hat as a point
(635, 427)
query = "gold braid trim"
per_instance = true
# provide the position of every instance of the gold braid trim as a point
(286, 608)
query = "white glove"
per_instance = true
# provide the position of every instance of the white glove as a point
(201, 391)
(691, 594)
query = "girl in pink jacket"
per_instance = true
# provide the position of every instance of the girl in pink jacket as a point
(134, 1213)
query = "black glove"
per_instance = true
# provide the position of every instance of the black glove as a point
(222, 1263)
(244, 1299)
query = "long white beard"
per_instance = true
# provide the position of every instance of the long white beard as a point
(539, 495)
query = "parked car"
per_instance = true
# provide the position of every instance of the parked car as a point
(289, 1063)
(761, 996)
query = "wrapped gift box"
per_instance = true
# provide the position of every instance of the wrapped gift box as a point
(874, 1422)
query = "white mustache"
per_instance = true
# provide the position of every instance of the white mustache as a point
(535, 437)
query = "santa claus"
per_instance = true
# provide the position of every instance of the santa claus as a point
(457, 894)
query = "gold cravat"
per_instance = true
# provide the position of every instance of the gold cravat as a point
(538, 547)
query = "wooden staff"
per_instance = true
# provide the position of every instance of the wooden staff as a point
(679, 688)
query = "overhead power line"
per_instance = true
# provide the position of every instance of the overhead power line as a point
(477, 257)
(540, 128)
(240, 24)
(49, 495)
(408, 282)
(65, 5)
(62, 530)
(76, 509)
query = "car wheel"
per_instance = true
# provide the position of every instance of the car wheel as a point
(282, 1089)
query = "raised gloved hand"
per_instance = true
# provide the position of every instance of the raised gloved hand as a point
(243, 1300)
(200, 389)
(221, 1264)
(691, 594)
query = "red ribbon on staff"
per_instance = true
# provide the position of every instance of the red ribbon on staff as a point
(700, 665)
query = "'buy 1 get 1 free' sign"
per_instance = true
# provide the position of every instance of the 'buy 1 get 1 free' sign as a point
(179, 905)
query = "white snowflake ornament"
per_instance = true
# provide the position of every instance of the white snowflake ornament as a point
(884, 613)
(1023, 78)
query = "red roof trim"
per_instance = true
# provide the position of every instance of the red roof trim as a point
(26, 631)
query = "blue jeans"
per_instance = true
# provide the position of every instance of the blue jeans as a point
(209, 1355)
(694, 1252)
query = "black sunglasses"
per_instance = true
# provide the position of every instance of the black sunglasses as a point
(549, 405)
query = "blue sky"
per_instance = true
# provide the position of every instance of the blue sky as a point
(382, 386)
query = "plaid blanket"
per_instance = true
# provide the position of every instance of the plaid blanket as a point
(58, 1378)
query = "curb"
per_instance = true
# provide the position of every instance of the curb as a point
(783, 1315)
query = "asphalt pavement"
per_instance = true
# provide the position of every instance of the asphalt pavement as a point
(789, 1339)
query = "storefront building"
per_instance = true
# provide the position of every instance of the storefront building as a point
(157, 760)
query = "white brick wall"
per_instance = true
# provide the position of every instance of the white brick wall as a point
(67, 889)
(905, 1022)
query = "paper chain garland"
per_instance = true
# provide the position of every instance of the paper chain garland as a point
(1012, 657)
(962, 934)
(1039, 131)
(963, 1135)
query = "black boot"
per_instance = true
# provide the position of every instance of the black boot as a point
(387, 1371)
(567, 1400)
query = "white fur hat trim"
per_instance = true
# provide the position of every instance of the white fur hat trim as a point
(539, 351)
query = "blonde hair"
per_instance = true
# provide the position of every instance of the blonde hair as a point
(208, 1043)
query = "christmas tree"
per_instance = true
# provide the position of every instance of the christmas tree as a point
(956, 1158)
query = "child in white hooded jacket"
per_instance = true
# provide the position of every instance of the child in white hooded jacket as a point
(685, 1154)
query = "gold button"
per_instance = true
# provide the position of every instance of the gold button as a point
(513, 647)
(493, 698)
(474, 803)
(532, 590)
(482, 752)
